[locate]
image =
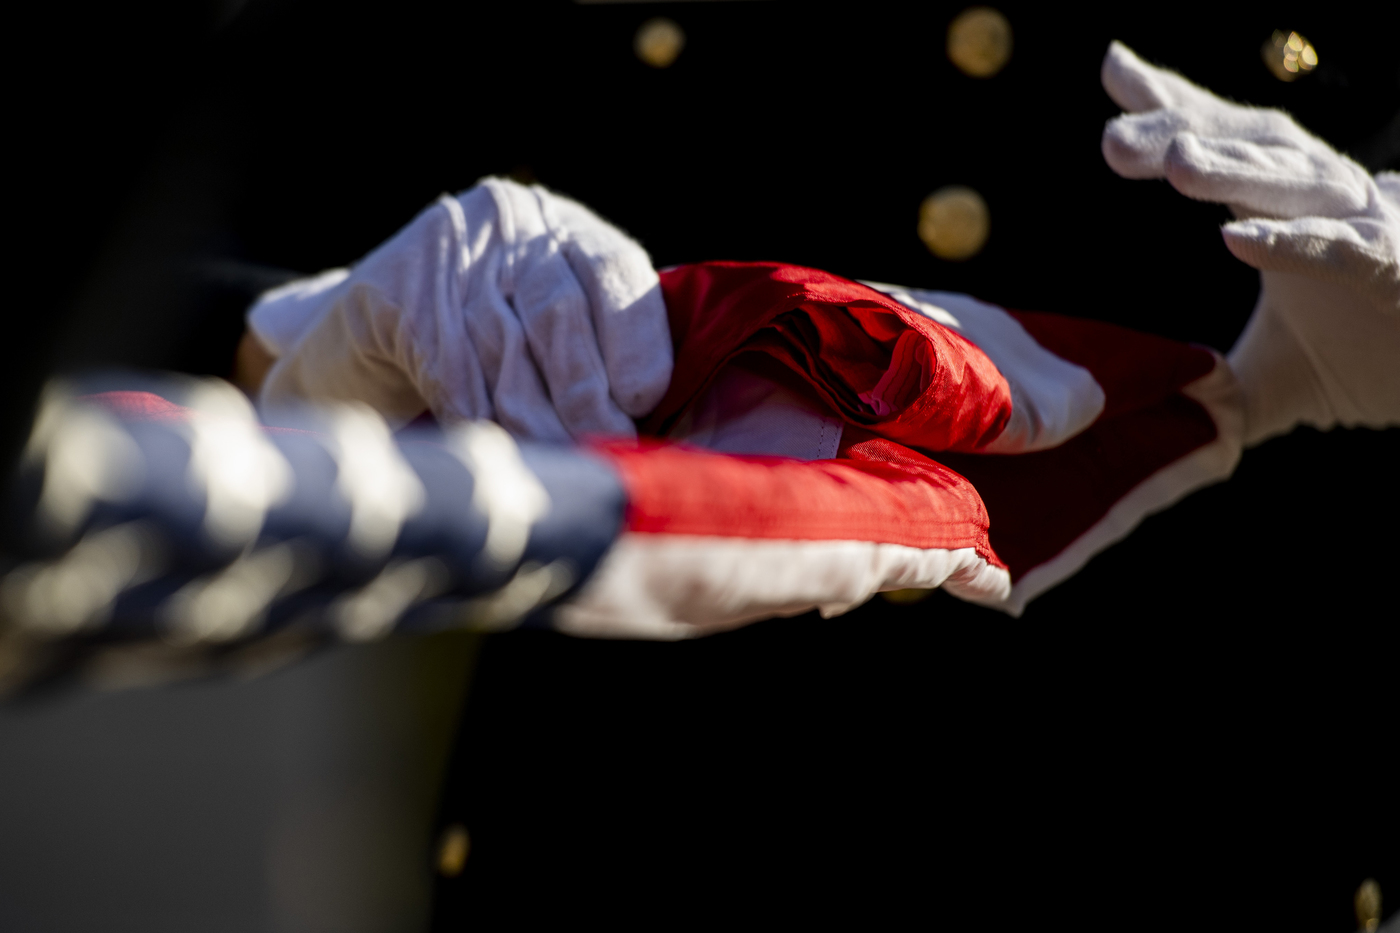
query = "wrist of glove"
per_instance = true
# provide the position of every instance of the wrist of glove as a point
(1324, 340)
(506, 302)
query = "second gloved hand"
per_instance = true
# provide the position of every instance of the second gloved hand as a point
(505, 302)
(1323, 345)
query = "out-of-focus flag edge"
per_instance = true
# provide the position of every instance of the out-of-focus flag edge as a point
(157, 520)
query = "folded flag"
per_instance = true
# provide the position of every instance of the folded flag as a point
(1011, 450)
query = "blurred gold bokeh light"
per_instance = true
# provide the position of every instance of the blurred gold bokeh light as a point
(954, 222)
(453, 849)
(659, 42)
(905, 597)
(979, 41)
(1288, 55)
(1368, 906)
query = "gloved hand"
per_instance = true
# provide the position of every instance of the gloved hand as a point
(506, 302)
(1323, 345)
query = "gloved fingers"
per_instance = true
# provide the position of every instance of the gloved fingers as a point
(1270, 179)
(1135, 146)
(624, 297)
(1137, 86)
(423, 273)
(521, 403)
(553, 311)
(1361, 253)
(376, 334)
(1161, 105)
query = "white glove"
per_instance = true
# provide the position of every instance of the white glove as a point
(506, 302)
(1323, 345)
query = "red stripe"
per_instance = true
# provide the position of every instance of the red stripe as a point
(880, 492)
(138, 406)
(147, 406)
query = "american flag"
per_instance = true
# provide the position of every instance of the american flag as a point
(906, 439)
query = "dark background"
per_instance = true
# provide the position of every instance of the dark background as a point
(1199, 729)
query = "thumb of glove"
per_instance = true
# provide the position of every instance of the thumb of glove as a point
(1359, 252)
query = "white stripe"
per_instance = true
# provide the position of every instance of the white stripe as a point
(382, 489)
(679, 586)
(745, 413)
(504, 490)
